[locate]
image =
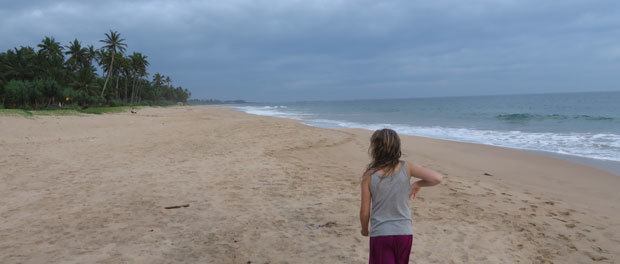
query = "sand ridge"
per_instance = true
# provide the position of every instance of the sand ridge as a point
(92, 189)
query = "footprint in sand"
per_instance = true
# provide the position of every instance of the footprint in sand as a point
(460, 238)
(595, 257)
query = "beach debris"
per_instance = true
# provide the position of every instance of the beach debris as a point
(176, 206)
(487, 174)
(595, 257)
(327, 225)
(599, 249)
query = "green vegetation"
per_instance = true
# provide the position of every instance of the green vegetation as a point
(65, 111)
(15, 112)
(59, 80)
(104, 109)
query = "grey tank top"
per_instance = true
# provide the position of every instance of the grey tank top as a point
(390, 214)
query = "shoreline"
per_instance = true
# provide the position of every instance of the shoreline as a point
(95, 188)
(609, 166)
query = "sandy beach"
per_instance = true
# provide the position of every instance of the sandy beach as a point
(93, 189)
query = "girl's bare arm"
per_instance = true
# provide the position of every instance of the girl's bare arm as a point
(365, 204)
(427, 176)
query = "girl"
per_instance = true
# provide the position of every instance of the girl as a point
(386, 186)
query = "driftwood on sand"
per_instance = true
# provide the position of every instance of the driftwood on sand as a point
(176, 206)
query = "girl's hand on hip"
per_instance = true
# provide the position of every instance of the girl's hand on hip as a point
(415, 188)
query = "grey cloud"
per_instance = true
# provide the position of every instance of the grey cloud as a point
(299, 50)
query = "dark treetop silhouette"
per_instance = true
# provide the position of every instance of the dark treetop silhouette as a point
(67, 76)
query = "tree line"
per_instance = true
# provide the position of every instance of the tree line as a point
(53, 75)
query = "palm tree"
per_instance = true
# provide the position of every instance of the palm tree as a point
(50, 48)
(77, 55)
(158, 83)
(168, 81)
(158, 80)
(139, 65)
(91, 54)
(19, 64)
(127, 70)
(113, 44)
(79, 64)
(52, 58)
(119, 61)
(85, 78)
(103, 56)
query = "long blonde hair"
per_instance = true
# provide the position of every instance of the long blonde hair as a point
(384, 150)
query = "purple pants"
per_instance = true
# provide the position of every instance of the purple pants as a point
(390, 249)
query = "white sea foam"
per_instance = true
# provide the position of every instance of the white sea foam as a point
(276, 111)
(590, 145)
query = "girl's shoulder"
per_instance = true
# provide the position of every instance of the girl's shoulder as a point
(407, 166)
(368, 173)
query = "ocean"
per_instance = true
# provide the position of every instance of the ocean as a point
(575, 124)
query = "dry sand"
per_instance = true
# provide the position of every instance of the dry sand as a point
(92, 189)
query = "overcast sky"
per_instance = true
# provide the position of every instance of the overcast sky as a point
(319, 50)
